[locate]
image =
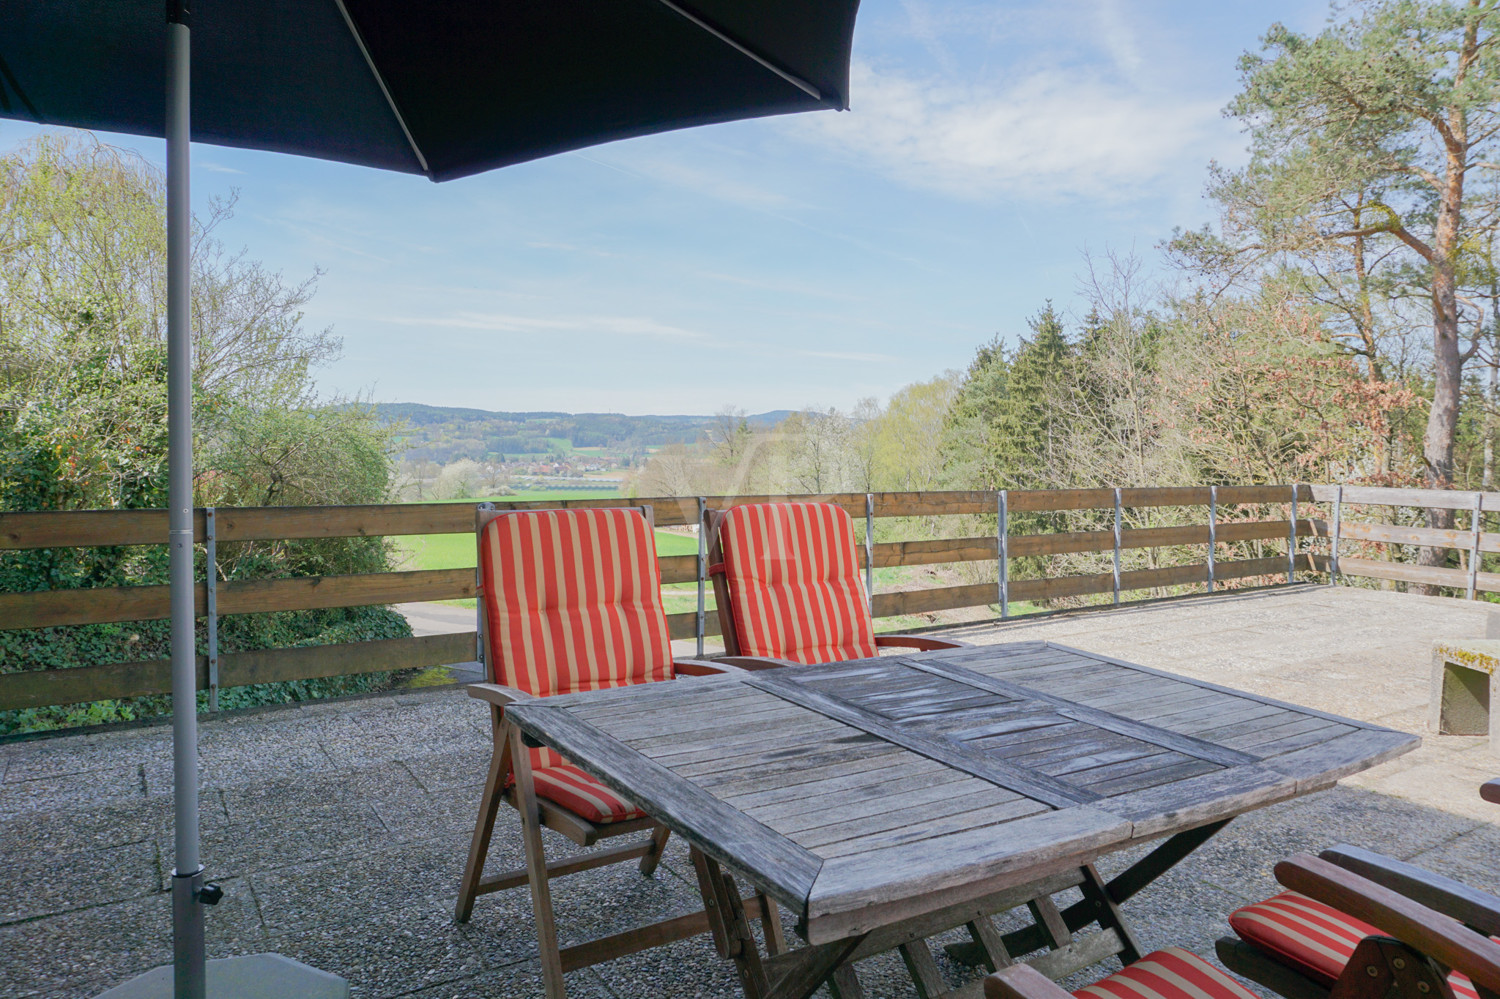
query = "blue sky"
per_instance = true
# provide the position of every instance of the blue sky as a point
(780, 263)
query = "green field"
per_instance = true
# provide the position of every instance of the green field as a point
(456, 551)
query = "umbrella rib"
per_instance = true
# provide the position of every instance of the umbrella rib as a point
(380, 80)
(750, 53)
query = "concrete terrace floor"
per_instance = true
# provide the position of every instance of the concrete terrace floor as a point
(339, 829)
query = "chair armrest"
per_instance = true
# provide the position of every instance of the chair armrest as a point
(1477, 909)
(1490, 791)
(755, 662)
(1446, 941)
(497, 694)
(703, 667)
(1022, 981)
(920, 642)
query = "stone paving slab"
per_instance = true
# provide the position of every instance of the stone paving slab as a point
(339, 829)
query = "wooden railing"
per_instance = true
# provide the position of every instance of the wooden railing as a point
(88, 682)
(1471, 541)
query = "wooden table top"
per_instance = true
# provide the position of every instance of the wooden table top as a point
(863, 793)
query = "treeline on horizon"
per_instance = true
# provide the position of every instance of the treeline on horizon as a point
(445, 434)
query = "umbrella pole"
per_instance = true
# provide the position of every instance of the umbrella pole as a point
(188, 966)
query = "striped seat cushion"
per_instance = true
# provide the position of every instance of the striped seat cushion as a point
(1313, 938)
(794, 584)
(572, 602)
(580, 794)
(1172, 973)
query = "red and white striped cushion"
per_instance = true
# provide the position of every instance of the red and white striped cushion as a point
(794, 583)
(579, 793)
(572, 602)
(1172, 973)
(1313, 938)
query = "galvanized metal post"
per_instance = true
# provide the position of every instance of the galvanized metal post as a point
(188, 960)
(479, 650)
(1291, 541)
(702, 571)
(211, 586)
(1333, 542)
(1213, 531)
(1476, 524)
(1002, 542)
(1117, 546)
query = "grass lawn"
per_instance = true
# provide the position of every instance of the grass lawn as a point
(456, 551)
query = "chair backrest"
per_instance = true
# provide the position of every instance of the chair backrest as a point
(793, 583)
(571, 600)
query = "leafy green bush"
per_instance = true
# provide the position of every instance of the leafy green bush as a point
(83, 402)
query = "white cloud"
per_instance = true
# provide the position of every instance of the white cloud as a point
(501, 323)
(212, 167)
(1114, 28)
(1051, 135)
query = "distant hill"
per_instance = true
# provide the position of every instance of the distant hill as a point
(449, 433)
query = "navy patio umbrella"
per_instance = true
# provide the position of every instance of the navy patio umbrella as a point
(445, 88)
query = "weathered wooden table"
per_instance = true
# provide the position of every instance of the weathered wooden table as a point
(883, 801)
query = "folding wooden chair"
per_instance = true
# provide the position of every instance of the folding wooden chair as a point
(787, 586)
(570, 601)
(1421, 954)
(1299, 947)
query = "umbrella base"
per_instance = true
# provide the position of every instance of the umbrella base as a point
(259, 976)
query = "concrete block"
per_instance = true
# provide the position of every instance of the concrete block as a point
(1465, 678)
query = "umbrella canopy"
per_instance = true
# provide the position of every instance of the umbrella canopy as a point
(446, 88)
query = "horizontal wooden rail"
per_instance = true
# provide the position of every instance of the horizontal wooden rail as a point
(104, 528)
(1427, 537)
(104, 604)
(1488, 582)
(39, 688)
(1438, 499)
(1052, 500)
(1143, 579)
(1147, 537)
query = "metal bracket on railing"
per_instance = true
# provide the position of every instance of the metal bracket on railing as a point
(870, 551)
(211, 586)
(1476, 524)
(1338, 530)
(1291, 541)
(1117, 545)
(702, 570)
(1213, 531)
(1002, 550)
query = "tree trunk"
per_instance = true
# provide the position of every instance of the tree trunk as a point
(1442, 419)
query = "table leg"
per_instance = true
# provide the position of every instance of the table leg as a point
(726, 920)
(1052, 924)
(770, 924)
(917, 957)
(844, 983)
(991, 945)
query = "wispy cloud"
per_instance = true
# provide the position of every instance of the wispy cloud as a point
(1050, 135)
(501, 323)
(212, 167)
